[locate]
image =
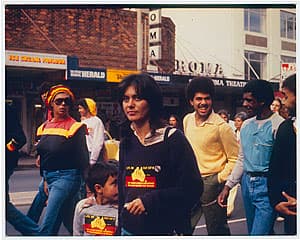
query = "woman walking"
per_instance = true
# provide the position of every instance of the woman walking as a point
(159, 181)
(63, 158)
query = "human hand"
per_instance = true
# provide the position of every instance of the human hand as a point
(289, 207)
(46, 191)
(38, 161)
(135, 207)
(46, 188)
(90, 201)
(222, 198)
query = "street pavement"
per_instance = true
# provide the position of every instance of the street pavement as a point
(24, 198)
(26, 162)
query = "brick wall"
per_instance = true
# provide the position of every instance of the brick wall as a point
(99, 37)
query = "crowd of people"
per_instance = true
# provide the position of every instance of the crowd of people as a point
(168, 173)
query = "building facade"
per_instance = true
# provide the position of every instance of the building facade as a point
(240, 43)
(41, 43)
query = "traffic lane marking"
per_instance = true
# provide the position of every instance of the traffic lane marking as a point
(230, 221)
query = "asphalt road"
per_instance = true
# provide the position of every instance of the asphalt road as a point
(26, 181)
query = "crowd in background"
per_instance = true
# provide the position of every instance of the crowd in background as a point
(197, 162)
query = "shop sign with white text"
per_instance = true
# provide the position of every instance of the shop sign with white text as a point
(35, 60)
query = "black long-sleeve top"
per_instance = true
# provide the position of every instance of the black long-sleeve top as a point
(164, 174)
(62, 145)
(282, 171)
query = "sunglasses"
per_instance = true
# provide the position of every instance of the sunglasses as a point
(59, 101)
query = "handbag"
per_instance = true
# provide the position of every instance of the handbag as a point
(110, 148)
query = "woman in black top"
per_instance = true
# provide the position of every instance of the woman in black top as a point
(159, 181)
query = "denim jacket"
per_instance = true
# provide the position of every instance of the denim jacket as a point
(257, 139)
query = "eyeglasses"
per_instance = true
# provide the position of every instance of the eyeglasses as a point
(59, 101)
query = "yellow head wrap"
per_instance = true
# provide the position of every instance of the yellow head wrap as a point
(91, 105)
(58, 89)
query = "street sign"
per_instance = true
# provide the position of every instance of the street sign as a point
(287, 69)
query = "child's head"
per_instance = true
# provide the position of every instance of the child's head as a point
(101, 179)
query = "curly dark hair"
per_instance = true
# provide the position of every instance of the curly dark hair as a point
(261, 90)
(200, 84)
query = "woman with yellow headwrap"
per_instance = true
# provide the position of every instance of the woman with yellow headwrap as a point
(95, 139)
(64, 157)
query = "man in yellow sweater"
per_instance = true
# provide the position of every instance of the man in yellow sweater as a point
(216, 150)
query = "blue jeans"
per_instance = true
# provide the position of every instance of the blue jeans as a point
(63, 186)
(82, 191)
(259, 212)
(38, 203)
(20, 221)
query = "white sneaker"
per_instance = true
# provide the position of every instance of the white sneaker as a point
(279, 219)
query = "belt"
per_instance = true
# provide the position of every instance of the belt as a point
(257, 174)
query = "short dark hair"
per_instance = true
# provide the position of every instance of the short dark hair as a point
(83, 103)
(290, 83)
(200, 84)
(147, 89)
(100, 172)
(44, 87)
(261, 90)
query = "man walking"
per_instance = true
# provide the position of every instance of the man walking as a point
(15, 140)
(282, 175)
(256, 142)
(216, 150)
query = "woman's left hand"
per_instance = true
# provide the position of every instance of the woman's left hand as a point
(135, 207)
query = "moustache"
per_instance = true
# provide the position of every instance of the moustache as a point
(202, 105)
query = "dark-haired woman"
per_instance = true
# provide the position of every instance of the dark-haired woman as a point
(159, 181)
(175, 121)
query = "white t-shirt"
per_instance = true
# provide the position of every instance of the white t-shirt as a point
(95, 138)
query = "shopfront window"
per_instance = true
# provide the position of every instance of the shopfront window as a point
(257, 61)
(255, 20)
(288, 25)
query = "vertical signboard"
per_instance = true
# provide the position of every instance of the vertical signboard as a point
(155, 34)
